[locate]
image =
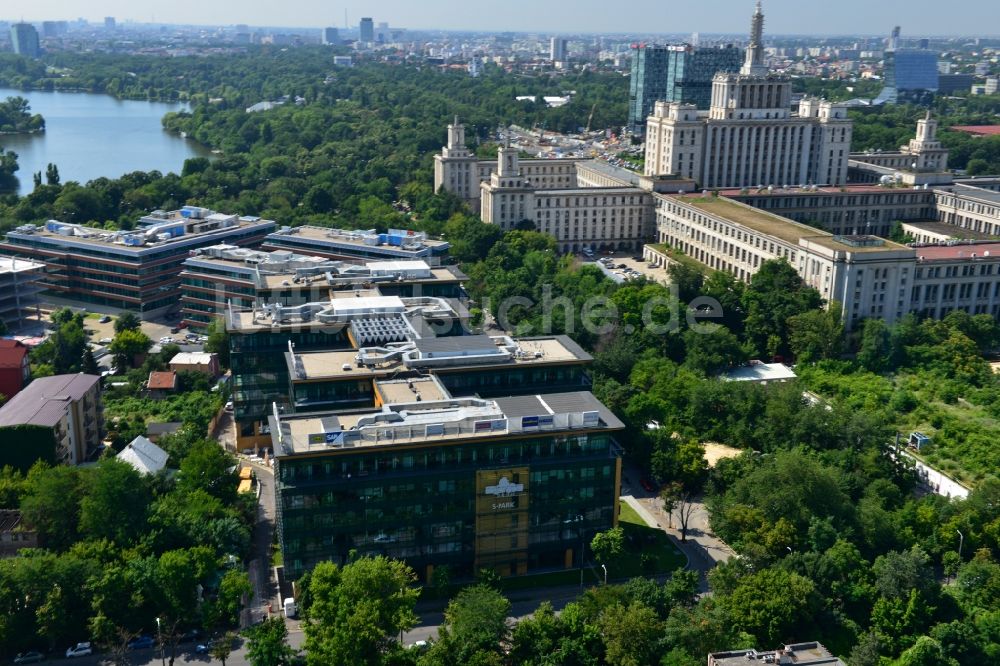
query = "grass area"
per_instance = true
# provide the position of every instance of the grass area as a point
(277, 559)
(681, 258)
(648, 551)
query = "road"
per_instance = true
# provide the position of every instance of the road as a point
(265, 587)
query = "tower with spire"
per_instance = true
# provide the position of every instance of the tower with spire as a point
(753, 64)
(456, 168)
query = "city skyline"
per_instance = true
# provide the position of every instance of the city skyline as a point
(589, 16)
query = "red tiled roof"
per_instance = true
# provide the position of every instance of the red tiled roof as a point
(958, 251)
(12, 353)
(981, 130)
(162, 381)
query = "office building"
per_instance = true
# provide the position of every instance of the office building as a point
(358, 245)
(137, 269)
(750, 138)
(19, 288)
(951, 84)
(24, 39)
(911, 75)
(331, 36)
(54, 28)
(800, 654)
(221, 275)
(366, 30)
(515, 484)
(109, 23)
(676, 73)
(348, 319)
(15, 370)
(58, 419)
(557, 49)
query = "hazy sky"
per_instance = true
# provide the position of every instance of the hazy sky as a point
(917, 17)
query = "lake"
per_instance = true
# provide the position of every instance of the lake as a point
(88, 136)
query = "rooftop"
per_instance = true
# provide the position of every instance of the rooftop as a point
(949, 230)
(144, 456)
(959, 250)
(156, 230)
(10, 519)
(13, 265)
(12, 353)
(453, 352)
(162, 381)
(44, 401)
(628, 177)
(451, 419)
(781, 227)
(800, 654)
(979, 130)
(346, 308)
(395, 239)
(192, 358)
(756, 371)
(394, 391)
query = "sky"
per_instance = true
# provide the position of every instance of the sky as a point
(836, 17)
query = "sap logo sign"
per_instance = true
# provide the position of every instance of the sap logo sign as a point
(504, 488)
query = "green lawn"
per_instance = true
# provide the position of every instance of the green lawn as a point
(662, 556)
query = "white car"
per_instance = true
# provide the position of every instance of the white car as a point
(166, 340)
(79, 650)
(106, 341)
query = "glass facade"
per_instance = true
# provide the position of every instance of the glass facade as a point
(680, 74)
(911, 77)
(437, 503)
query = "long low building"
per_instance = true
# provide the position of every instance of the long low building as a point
(138, 269)
(516, 484)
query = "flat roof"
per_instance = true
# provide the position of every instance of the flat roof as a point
(631, 178)
(343, 237)
(958, 251)
(394, 391)
(432, 422)
(760, 372)
(44, 401)
(800, 654)
(315, 366)
(771, 224)
(949, 230)
(14, 265)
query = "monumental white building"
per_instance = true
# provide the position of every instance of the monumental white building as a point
(749, 136)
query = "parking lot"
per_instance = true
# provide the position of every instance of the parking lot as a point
(621, 267)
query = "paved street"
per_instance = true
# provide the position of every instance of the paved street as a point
(265, 587)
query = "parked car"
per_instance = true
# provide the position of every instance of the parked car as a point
(106, 341)
(79, 650)
(175, 330)
(104, 320)
(203, 648)
(140, 643)
(229, 406)
(32, 657)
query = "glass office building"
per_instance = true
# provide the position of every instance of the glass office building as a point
(911, 77)
(517, 484)
(676, 73)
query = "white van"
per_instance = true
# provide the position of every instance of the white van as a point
(289, 605)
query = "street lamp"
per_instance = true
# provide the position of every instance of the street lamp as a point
(605, 574)
(961, 541)
(159, 636)
(579, 519)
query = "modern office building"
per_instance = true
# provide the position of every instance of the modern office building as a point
(750, 136)
(674, 73)
(557, 49)
(138, 269)
(358, 245)
(110, 24)
(366, 30)
(911, 75)
(19, 288)
(67, 418)
(348, 319)
(24, 39)
(217, 276)
(516, 484)
(800, 654)
(331, 36)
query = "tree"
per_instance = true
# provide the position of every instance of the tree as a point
(209, 468)
(115, 502)
(127, 321)
(687, 279)
(267, 643)
(356, 612)
(51, 504)
(685, 510)
(874, 354)
(775, 295)
(816, 334)
(475, 625)
(218, 341)
(51, 174)
(234, 588)
(773, 605)
(223, 647)
(128, 346)
(608, 545)
(632, 635)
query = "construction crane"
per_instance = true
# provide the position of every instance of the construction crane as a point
(590, 119)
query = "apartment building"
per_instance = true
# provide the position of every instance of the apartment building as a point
(19, 289)
(59, 419)
(137, 269)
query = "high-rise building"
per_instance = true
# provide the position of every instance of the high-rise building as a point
(54, 28)
(911, 75)
(557, 49)
(366, 31)
(110, 23)
(750, 136)
(24, 39)
(678, 73)
(331, 36)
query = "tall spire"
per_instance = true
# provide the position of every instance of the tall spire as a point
(753, 64)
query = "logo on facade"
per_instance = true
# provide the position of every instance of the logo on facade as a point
(504, 488)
